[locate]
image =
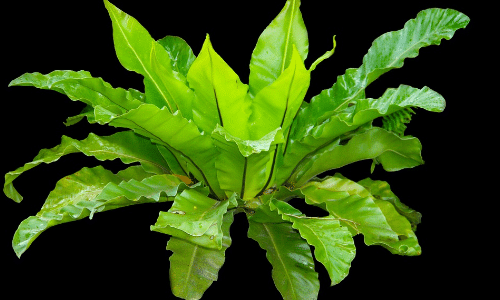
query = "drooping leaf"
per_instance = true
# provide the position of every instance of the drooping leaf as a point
(370, 222)
(386, 53)
(81, 86)
(333, 243)
(221, 96)
(193, 268)
(93, 190)
(358, 211)
(355, 118)
(181, 55)
(393, 152)
(381, 190)
(176, 133)
(275, 105)
(273, 51)
(290, 255)
(125, 145)
(139, 52)
(194, 217)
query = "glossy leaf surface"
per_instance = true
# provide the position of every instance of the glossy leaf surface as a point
(181, 55)
(393, 152)
(126, 146)
(194, 217)
(193, 268)
(94, 190)
(333, 243)
(293, 266)
(273, 51)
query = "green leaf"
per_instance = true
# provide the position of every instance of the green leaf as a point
(386, 53)
(381, 190)
(392, 101)
(93, 190)
(139, 52)
(176, 133)
(273, 51)
(333, 243)
(126, 146)
(358, 211)
(181, 55)
(275, 105)
(243, 165)
(393, 152)
(290, 255)
(221, 96)
(81, 86)
(193, 268)
(194, 217)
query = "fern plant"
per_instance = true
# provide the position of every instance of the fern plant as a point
(215, 147)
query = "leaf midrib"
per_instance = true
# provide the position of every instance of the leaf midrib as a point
(139, 59)
(280, 259)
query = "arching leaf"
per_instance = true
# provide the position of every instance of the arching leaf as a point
(93, 190)
(181, 55)
(193, 268)
(126, 146)
(293, 266)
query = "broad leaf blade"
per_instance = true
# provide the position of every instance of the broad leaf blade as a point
(387, 52)
(175, 132)
(293, 266)
(94, 190)
(193, 268)
(358, 211)
(357, 117)
(273, 51)
(126, 146)
(394, 152)
(221, 96)
(81, 86)
(194, 217)
(276, 105)
(139, 52)
(381, 190)
(333, 243)
(181, 55)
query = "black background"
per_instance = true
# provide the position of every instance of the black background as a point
(115, 254)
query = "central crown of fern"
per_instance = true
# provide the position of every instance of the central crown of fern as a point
(215, 147)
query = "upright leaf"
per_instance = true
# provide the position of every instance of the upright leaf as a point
(139, 52)
(275, 105)
(293, 266)
(94, 190)
(273, 51)
(386, 53)
(243, 165)
(193, 268)
(125, 145)
(393, 152)
(333, 243)
(181, 55)
(221, 96)
(194, 217)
